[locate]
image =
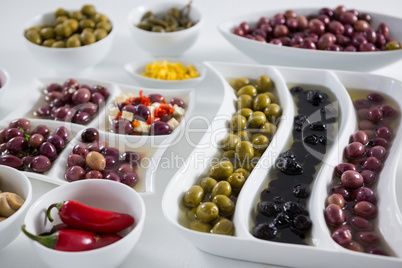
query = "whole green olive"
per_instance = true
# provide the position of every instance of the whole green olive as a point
(261, 101)
(225, 204)
(65, 30)
(207, 211)
(60, 20)
(208, 184)
(48, 42)
(89, 30)
(237, 181)
(86, 23)
(260, 142)
(264, 83)
(100, 34)
(244, 101)
(268, 129)
(256, 119)
(223, 227)
(60, 12)
(242, 171)
(104, 25)
(246, 112)
(191, 213)
(273, 98)
(59, 44)
(273, 111)
(87, 38)
(392, 45)
(88, 10)
(244, 135)
(230, 141)
(34, 37)
(238, 123)
(200, 226)
(240, 82)
(47, 33)
(247, 165)
(194, 196)
(100, 17)
(230, 154)
(244, 151)
(72, 23)
(247, 90)
(77, 15)
(221, 171)
(73, 41)
(222, 187)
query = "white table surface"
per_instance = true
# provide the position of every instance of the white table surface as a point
(159, 245)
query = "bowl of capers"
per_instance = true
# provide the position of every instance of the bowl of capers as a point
(69, 40)
(165, 29)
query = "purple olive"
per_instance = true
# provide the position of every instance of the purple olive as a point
(80, 96)
(156, 98)
(75, 160)
(132, 158)
(130, 178)
(110, 161)
(89, 108)
(53, 87)
(12, 133)
(125, 168)
(64, 114)
(112, 176)
(160, 128)
(81, 118)
(122, 126)
(16, 145)
(179, 102)
(110, 151)
(96, 146)
(3, 135)
(62, 132)
(27, 159)
(47, 149)
(141, 112)
(36, 140)
(129, 108)
(11, 161)
(57, 141)
(23, 123)
(40, 163)
(334, 215)
(71, 82)
(93, 174)
(81, 149)
(101, 89)
(90, 135)
(97, 98)
(74, 173)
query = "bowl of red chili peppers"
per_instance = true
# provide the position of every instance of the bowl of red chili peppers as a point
(89, 223)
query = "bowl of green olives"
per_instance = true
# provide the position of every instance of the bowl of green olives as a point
(4, 80)
(69, 40)
(165, 29)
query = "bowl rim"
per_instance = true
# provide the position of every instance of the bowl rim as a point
(6, 82)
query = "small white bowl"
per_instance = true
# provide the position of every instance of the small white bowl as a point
(135, 68)
(67, 60)
(4, 81)
(102, 194)
(11, 180)
(164, 44)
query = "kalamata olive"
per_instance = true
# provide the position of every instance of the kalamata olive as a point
(360, 136)
(36, 140)
(339, 189)
(378, 152)
(238, 31)
(342, 167)
(384, 132)
(326, 40)
(130, 178)
(47, 149)
(367, 47)
(388, 111)
(97, 98)
(125, 168)
(12, 133)
(316, 26)
(82, 95)
(342, 235)
(71, 82)
(90, 135)
(372, 163)
(374, 114)
(375, 97)
(16, 145)
(352, 179)
(355, 150)
(361, 103)
(11, 161)
(367, 125)
(95, 161)
(101, 89)
(74, 173)
(93, 174)
(53, 87)
(336, 199)
(81, 118)
(110, 161)
(160, 128)
(75, 160)
(141, 112)
(67, 95)
(64, 114)
(378, 141)
(56, 104)
(367, 238)
(348, 18)
(308, 44)
(156, 98)
(376, 250)
(334, 215)
(62, 132)
(166, 117)
(96, 146)
(23, 123)
(112, 176)
(365, 209)
(3, 135)
(280, 30)
(41, 129)
(365, 194)
(40, 163)
(27, 159)
(179, 102)
(110, 151)
(384, 30)
(3, 147)
(132, 158)
(368, 177)
(57, 141)
(129, 108)
(53, 96)
(89, 107)
(81, 149)
(361, 224)
(362, 113)
(122, 126)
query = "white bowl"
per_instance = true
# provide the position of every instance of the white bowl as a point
(102, 194)
(67, 60)
(4, 81)
(135, 68)
(288, 56)
(11, 180)
(164, 44)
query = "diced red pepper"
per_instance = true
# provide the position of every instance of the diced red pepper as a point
(118, 116)
(151, 120)
(164, 109)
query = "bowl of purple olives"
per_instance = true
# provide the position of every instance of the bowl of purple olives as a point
(338, 38)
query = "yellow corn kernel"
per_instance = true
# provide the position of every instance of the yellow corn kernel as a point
(165, 70)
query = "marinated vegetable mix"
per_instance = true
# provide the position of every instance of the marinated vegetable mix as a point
(336, 29)
(9, 204)
(165, 70)
(211, 203)
(351, 205)
(145, 115)
(71, 29)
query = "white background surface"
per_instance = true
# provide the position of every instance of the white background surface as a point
(160, 245)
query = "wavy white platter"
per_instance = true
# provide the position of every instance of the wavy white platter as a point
(322, 251)
(150, 147)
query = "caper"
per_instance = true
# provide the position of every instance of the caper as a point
(59, 44)
(224, 227)
(248, 90)
(191, 214)
(225, 204)
(86, 23)
(261, 101)
(60, 12)
(236, 181)
(104, 25)
(240, 82)
(48, 42)
(264, 83)
(100, 34)
(260, 142)
(77, 15)
(207, 211)
(208, 184)
(34, 37)
(246, 112)
(229, 155)
(238, 122)
(273, 98)
(242, 171)
(100, 17)
(244, 135)
(88, 38)
(222, 187)
(88, 10)
(268, 128)
(230, 141)
(244, 151)
(47, 33)
(273, 111)
(221, 170)
(73, 41)
(200, 226)
(194, 196)
(256, 119)
(244, 101)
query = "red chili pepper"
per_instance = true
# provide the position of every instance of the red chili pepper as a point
(118, 116)
(141, 99)
(80, 216)
(151, 120)
(73, 240)
(164, 109)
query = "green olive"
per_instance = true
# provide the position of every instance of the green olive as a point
(273, 98)
(246, 112)
(48, 42)
(87, 38)
(257, 155)
(191, 214)
(77, 15)
(89, 30)
(261, 101)
(268, 129)
(60, 20)
(100, 17)
(200, 226)
(73, 41)
(104, 25)
(256, 119)
(244, 135)
(221, 171)
(34, 37)
(242, 171)
(392, 45)
(244, 101)
(260, 142)
(240, 82)
(247, 165)
(47, 33)
(60, 12)
(158, 29)
(225, 204)
(264, 83)
(194, 196)
(247, 90)
(72, 23)
(230, 154)
(244, 151)
(88, 10)
(207, 211)
(222, 187)
(273, 111)
(208, 184)
(238, 122)
(230, 141)
(86, 23)
(223, 227)
(236, 181)
(100, 34)
(59, 44)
